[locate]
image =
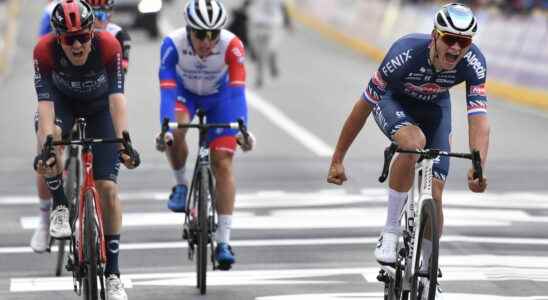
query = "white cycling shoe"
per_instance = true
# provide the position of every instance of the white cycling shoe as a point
(40, 238)
(59, 227)
(385, 253)
(115, 288)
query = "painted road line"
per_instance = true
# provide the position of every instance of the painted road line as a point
(353, 217)
(379, 296)
(281, 277)
(299, 133)
(478, 240)
(276, 198)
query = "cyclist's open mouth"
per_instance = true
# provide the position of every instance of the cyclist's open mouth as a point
(451, 58)
(78, 53)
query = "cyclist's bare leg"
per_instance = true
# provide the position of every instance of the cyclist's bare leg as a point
(112, 222)
(402, 170)
(402, 173)
(177, 154)
(44, 195)
(225, 192)
(112, 207)
(225, 182)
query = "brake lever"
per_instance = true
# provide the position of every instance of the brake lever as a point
(388, 154)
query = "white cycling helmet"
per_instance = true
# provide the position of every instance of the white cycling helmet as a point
(205, 14)
(457, 19)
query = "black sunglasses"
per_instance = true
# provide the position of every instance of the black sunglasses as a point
(209, 34)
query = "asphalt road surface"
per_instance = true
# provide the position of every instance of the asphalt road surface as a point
(295, 236)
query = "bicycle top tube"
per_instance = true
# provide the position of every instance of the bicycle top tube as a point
(389, 152)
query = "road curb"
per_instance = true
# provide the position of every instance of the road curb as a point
(510, 92)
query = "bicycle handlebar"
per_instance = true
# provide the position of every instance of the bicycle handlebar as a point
(389, 152)
(125, 141)
(239, 125)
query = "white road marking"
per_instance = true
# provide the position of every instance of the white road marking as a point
(379, 296)
(305, 242)
(273, 198)
(325, 218)
(301, 134)
(486, 272)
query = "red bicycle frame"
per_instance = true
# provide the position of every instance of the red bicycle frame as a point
(89, 185)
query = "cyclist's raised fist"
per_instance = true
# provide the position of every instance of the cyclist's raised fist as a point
(336, 174)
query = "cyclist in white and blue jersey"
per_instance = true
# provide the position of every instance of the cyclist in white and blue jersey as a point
(409, 97)
(45, 26)
(202, 67)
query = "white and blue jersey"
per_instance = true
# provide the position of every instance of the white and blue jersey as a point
(407, 89)
(214, 84)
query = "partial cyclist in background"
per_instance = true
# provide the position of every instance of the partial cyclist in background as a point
(45, 25)
(409, 97)
(267, 20)
(202, 67)
(78, 73)
(102, 10)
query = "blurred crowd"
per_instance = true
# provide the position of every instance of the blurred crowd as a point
(506, 6)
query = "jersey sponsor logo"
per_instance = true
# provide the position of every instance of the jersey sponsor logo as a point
(396, 62)
(166, 55)
(476, 64)
(426, 88)
(239, 55)
(477, 90)
(378, 81)
(446, 81)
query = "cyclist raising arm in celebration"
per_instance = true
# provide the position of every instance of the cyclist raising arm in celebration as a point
(78, 72)
(410, 101)
(202, 67)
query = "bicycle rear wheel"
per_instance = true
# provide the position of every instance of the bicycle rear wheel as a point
(203, 236)
(423, 284)
(72, 183)
(90, 249)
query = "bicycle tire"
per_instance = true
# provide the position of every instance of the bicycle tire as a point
(428, 217)
(203, 235)
(71, 191)
(90, 249)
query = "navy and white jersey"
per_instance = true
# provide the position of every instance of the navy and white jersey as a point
(407, 72)
(87, 85)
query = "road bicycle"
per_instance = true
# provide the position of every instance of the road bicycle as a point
(405, 279)
(201, 215)
(87, 251)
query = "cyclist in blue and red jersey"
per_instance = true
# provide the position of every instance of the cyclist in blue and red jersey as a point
(409, 97)
(202, 67)
(102, 9)
(78, 73)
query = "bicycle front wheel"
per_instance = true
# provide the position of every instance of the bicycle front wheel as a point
(71, 191)
(90, 249)
(423, 285)
(203, 235)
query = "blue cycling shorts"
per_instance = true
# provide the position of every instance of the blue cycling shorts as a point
(434, 119)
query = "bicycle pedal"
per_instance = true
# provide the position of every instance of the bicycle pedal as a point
(223, 267)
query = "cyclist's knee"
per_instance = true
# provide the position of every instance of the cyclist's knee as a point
(222, 162)
(410, 137)
(108, 190)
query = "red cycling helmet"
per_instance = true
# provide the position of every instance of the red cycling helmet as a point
(71, 16)
(101, 4)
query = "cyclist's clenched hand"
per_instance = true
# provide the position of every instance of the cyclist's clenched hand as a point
(336, 173)
(163, 143)
(130, 159)
(247, 144)
(476, 185)
(46, 168)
